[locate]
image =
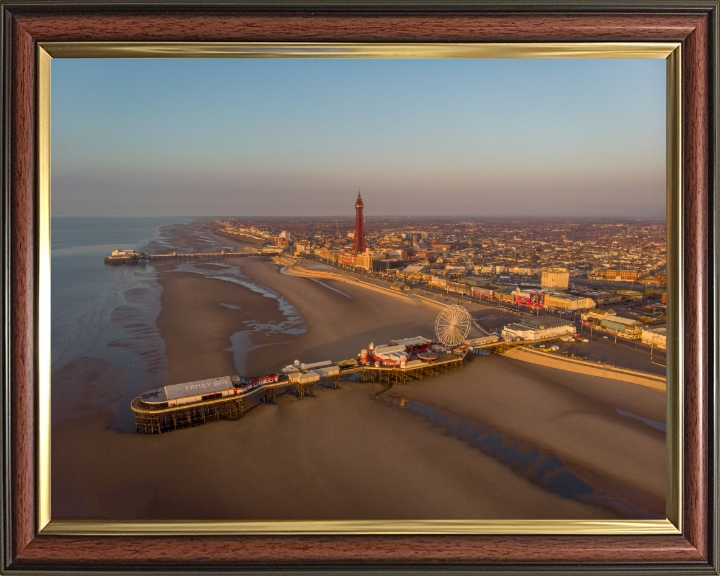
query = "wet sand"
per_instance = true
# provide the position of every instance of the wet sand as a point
(573, 417)
(343, 454)
(197, 318)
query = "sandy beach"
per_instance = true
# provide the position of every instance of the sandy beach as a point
(198, 316)
(346, 454)
(576, 419)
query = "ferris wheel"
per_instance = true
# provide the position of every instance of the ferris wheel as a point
(452, 326)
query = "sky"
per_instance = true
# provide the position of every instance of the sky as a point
(300, 137)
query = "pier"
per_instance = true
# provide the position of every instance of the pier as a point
(404, 375)
(119, 257)
(149, 421)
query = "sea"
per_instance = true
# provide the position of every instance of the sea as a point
(104, 313)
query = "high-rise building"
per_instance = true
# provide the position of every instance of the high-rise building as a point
(554, 278)
(359, 236)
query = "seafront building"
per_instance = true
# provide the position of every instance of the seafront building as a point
(623, 327)
(539, 328)
(609, 321)
(568, 302)
(656, 337)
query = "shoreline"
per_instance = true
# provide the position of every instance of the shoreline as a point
(302, 272)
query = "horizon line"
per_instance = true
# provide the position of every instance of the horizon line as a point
(463, 217)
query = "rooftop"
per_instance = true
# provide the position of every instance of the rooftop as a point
(659, 330)
(196, 388)
(566, 296)
(416, 341)
(546, 322)
(621, 320)
(519, 327)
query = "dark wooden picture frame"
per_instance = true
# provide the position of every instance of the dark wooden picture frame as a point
(694, 24)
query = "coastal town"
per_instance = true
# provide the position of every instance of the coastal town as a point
(533, 275)
(633, 251)
(361, 321)
(609, 275)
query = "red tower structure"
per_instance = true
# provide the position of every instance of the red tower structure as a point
(359, 237)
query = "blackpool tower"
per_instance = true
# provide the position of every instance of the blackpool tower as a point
(359, 237)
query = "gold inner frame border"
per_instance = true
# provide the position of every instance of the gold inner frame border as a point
(670, 51)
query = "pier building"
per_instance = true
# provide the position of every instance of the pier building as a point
(539, 328)
(126, 256)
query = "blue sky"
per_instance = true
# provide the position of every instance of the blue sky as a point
(257, 137)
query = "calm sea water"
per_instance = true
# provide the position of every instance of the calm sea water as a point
(106, 347)
(103, 312)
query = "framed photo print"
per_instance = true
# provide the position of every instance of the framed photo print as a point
(359, 287)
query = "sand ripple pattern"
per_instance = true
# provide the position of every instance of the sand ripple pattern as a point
(79, 325)
(142, 333)
(105, 345)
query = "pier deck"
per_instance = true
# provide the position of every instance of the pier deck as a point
(137, 259)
